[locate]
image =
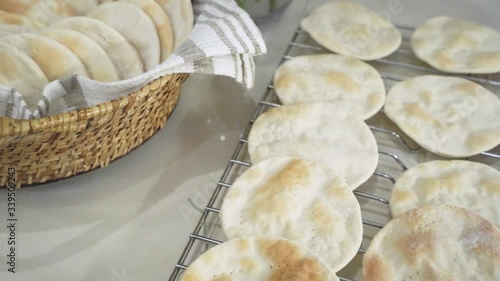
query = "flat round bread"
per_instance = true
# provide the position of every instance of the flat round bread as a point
(457, 46)
(20, 21)
(140, 32)
(54, 59)
(22, 73)
(95, 59)
(161, 22)
(44, 12)
(258, 258)
(124, 56)
(449, 116)
(299, 200)
(434, 243)
(319, 132)
(465, 184)
(345, 81)
(181, 16)
(350, 29)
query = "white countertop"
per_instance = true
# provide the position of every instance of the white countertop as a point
(131, 220)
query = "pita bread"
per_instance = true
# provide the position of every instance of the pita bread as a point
(465, 184)
(350, 29)
(181, 16)
(44, 12)
(434, 243)
(344, 81)
(299, 200)
(95, 59)
(125, 57)
(55, 60)
(22, 22)
(449, 116)
(319, 132)
(161, 22)
(140, 32)
(23, 74)
(258, 258)
(457, 46)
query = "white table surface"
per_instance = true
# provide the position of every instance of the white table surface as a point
(131, 220)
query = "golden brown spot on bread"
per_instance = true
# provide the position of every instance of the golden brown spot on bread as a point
(486, 59)
(14, 6)
(468, 88)
(491, 186)
(247, 265)
(444, 59)
(191, 275)
(375, 269)
(481, 141)
(289, 81)
(402, 196)
(375, 99)
(253, 174)
(430, 186)
(209, 257)
(323, 221)
(280, 252)
(415, 110)
(305, 269)
(416, 246)
(243, 245)
(9, 18)
(268, 198)
(49, 58)
(426, 97)
(450, 181)
(462, 41)
(342, 80)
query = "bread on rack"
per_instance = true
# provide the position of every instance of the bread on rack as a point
(434, 243)
(350, 29)
(465, 184)
(457, 46)
(299, 200)
(258, 258)
(449, 116)
(320, 132)
(345, 81)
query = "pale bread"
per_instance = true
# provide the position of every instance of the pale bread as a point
(135, 26)
(465, 184)
(54, 59)
(124, 56)
(449, 116)
(19, 21)
(44, 12)
(350, 29)
(319, 132)
(457, 46)
(161, 22)
(258, 258)
(299, 200)
(434, 243)
(6, 29)
(181, 16)
(22, 73)
(95, 59)
(345, 81)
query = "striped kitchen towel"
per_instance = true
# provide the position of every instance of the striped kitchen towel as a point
(224, 41)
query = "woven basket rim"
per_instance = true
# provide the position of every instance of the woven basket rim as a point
(63, 122)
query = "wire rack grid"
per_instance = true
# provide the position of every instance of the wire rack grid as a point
(396, 149)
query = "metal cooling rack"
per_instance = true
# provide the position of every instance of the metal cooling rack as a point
(393, 147)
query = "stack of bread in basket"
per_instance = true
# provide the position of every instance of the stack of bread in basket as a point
(114, 72)
(45, 40)
(293, 216)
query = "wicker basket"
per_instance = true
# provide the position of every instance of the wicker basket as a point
(67, 144)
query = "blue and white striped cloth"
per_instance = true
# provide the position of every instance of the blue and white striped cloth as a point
(224, 41)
